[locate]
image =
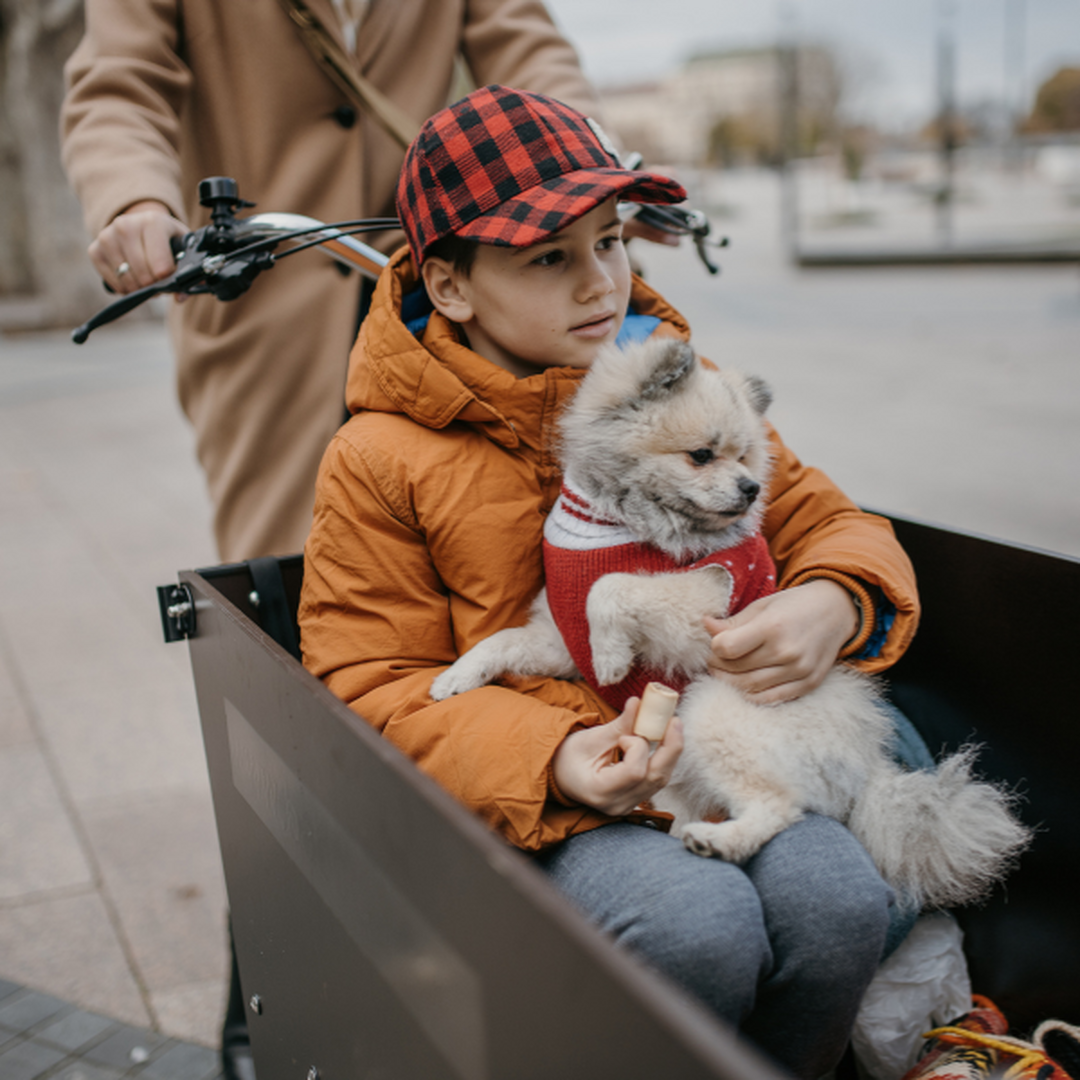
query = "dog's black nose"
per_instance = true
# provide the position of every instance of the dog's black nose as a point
(749, 488)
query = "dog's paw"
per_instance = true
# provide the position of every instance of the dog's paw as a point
(611, 662)
(455, 680)
(697, 838)
(723, 840)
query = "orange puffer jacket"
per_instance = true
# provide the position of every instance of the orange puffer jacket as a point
(427, 538)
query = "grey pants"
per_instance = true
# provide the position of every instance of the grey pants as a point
(781, 947)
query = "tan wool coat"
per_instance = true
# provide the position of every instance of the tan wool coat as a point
(163, 93)
(427, 539)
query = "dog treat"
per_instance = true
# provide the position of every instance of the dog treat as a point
(655, 711)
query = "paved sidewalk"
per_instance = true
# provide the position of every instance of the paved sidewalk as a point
(44, 1037)
(950, 395)
(111, 891)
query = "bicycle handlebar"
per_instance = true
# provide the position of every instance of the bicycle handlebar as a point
(224, 257)
(224, 262)
(681, 222)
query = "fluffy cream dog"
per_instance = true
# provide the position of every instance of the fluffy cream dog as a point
(657, 527)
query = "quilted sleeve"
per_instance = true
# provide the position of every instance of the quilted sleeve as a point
(815, 530)
(119, 122)
(376, 628)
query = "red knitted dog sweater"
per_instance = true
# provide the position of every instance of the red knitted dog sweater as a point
(580, 547)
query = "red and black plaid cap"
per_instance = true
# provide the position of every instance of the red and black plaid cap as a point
(510, 167)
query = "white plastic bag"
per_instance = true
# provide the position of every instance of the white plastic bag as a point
(923, 985)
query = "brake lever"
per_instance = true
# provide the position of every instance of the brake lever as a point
(190, 277)
(701, 242)
(204, 261)
(127, 302)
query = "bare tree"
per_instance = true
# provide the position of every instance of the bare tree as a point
(42, 239)
(1057, 103)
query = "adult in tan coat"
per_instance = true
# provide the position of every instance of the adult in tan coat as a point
(164, 94)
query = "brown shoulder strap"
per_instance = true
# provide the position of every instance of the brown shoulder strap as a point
(333, 59)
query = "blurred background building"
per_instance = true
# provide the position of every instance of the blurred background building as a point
(723, 108)
(941, 124)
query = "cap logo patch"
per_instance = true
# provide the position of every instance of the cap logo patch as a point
(602, 137)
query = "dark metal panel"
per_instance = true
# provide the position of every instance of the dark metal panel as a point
(385, 930)
(994, 662)
(995, 658)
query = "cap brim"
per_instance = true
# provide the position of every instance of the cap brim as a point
(536, 214)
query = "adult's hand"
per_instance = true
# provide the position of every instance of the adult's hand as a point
(636, 229)
(133, 251)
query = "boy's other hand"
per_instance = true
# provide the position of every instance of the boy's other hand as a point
(136, 241)
(612, 770)
(782, 646)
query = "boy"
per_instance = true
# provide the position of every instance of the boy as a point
(427, 539)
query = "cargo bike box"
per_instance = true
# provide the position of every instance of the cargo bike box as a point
(382, 930)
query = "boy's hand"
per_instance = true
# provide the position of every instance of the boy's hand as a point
(138, 241)
(610, 769)
(782, 646)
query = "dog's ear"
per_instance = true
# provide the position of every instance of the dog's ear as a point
(674, 363)
(759, 393)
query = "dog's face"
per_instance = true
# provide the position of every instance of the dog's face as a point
(675, 450)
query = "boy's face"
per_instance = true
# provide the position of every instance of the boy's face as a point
(550, 305)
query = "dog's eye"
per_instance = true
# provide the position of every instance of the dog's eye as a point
(702, 456)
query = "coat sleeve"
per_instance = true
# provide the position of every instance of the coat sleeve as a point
(516, 43)
(376, 627)
(815, 530)
(119, 122)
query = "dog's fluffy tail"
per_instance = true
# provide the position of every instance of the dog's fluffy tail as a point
(942, 838)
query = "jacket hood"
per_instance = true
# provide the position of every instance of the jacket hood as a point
(409, 359)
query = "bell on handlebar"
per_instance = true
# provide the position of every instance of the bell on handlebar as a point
(222, 196)
(214, 188)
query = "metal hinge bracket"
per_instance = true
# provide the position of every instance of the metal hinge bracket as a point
(177, 611)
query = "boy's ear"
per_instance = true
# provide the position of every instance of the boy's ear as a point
(443, 284)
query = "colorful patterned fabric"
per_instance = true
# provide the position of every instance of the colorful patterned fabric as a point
(978, 1045)
(509, 167)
